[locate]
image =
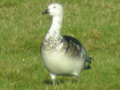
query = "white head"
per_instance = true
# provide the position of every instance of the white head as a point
(54, 9)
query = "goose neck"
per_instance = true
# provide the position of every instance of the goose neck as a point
(54, 30)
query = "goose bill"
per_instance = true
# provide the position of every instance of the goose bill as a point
(46, 12)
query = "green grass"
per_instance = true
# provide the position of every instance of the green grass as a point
(95, 23)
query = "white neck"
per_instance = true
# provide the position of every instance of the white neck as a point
(55, 27)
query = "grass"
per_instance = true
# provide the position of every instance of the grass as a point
(95, 23)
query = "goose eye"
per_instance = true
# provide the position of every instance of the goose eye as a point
(54, 7)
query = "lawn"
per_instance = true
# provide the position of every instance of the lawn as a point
(95, 23)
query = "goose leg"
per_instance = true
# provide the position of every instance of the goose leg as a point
(53, 81)
(78, 77)
(53, 77)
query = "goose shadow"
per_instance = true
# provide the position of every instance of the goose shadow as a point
(49, 82)
(59, 81)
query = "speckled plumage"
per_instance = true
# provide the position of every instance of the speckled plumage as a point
(62, 55)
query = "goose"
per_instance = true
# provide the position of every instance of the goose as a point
(61, 54)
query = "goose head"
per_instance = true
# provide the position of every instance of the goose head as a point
(54, 9)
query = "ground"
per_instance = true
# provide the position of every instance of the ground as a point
(95, 23)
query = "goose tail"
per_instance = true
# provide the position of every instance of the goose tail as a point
(88, 63)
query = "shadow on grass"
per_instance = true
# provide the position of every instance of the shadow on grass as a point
(49, 82)
(61, 80)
